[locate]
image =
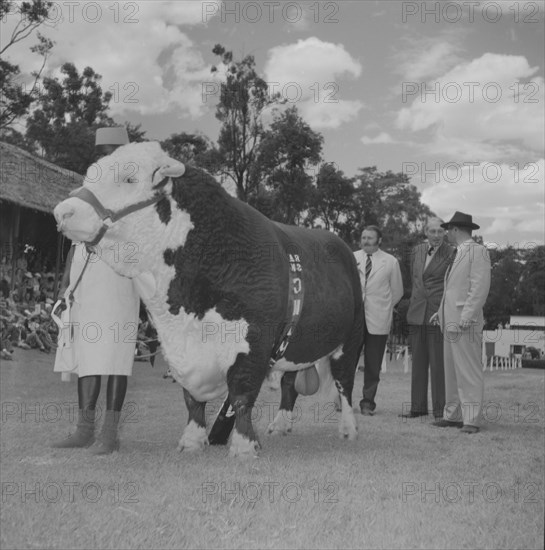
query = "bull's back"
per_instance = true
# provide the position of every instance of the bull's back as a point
(238, 261)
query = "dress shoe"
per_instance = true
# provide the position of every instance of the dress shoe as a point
(468, 429)
(412, 415)
(447, 424)
(366, 409)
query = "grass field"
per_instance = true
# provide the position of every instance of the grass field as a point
(401, 484)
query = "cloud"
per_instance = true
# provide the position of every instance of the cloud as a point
(310, 74)
(383, 137)
(145, 60)
(508, 197)
(479, 105)
(427, 58)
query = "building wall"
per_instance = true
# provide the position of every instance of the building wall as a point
(513, 341)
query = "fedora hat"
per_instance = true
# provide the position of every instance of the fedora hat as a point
(115, 135)
(461, 220)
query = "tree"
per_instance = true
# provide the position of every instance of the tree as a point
(332, 202)
(390, 201)
(63, 126)
(193, 149)
(244, 96)
(506, 269)
(135, 134)
(15, 101)
(530, 291)
(288, 149)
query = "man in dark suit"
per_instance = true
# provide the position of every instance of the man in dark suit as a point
(429, 264)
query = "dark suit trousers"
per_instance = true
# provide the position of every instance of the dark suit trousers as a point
(427, 351)
(373, 352)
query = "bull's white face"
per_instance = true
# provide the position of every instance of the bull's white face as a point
(119, 180)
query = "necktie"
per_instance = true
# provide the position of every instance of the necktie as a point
(452, 263)
(368, 266)
(430, 251)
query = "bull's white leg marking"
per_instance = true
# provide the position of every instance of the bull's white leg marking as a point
(194, 438)
(347, 425)
(242, 446)
(337, 354)
(282, 423)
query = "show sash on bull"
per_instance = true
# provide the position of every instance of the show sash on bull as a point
(219, 280)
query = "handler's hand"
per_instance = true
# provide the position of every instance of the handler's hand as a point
(466, 323)
(434, 319)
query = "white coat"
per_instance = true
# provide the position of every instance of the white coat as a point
(383, 291)
(101, 334)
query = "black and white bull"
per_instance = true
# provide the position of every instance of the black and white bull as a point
(222, 283)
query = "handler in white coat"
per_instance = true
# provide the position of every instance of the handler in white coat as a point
(100, 336)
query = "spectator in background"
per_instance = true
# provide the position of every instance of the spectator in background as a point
(382, 288)
(429, 264)
(460, 316)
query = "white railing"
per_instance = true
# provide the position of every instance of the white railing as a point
(497, 362)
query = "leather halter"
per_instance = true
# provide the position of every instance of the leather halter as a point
(84, 194)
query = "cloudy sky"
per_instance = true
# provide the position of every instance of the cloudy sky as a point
(451, 93)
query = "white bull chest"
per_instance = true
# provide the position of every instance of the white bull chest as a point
(200, 351)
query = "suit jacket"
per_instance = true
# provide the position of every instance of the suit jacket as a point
(466, 287)
(427, 282)
(383, 290)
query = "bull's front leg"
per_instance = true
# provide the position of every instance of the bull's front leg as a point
(244, 381)
(194, 437)
(283, 421)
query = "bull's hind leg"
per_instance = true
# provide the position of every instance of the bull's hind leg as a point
(194, 437)
(343, 370)
(283, 421)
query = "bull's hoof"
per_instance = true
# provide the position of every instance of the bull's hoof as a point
(242, 447)
(193, 439)
(348, 429)
(348, 434)
(282, 423)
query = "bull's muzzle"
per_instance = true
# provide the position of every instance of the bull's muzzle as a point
(63, 212)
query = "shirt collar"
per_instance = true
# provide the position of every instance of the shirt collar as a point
(461, 245)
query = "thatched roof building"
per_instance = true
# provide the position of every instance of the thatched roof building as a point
(32, 182)
(30, 188)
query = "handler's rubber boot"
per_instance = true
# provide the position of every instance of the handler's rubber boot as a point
(107, 442)
(84, 436)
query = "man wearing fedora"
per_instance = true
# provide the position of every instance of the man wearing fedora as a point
(460, 316)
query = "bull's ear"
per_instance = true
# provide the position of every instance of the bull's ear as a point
(174, 169)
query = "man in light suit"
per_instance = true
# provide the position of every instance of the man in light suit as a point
(460, 315)
(382, 288)
(429, 263)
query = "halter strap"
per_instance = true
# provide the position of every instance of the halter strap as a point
(86, 195)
